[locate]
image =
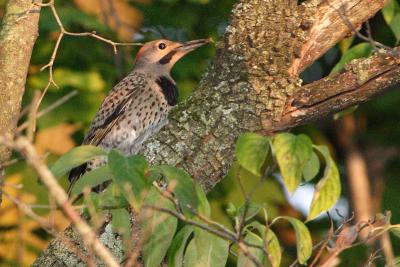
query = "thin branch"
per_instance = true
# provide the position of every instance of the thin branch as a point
(8, 163)
(342, 13)
(62, 33)
(183, 218)
(225, 234)
(30, 133)
(50, 108)
(89, 237)
(44, 224)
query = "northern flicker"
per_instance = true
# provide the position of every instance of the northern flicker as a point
(138, 105)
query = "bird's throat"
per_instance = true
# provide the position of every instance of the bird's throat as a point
(169, 90)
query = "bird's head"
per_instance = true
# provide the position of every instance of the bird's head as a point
(162, 54)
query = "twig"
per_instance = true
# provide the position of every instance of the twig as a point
(374, 256)
(183, 218)
(89, 237)
(242, 221)
(323, 244)
(30, 133)
(8, 163)
(368, 38)
(62, 33)
(249, 255)
(27, 210)
(50, 108)
(19, 237)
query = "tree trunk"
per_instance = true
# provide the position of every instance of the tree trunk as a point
(254, 85)
(17, 37)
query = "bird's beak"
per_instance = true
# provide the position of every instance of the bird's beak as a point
(192, 45)
(182, 49)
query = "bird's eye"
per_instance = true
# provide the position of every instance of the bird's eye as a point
(162, 46)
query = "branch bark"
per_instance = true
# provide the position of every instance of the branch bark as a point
(329, 27)
(253, 85)
(358, 82)
(17, 37)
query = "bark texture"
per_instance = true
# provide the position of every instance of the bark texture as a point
(253, 85)
(17, 36)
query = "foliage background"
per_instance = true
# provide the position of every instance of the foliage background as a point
(91, 68)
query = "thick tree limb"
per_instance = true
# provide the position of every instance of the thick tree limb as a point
(253, 85)
(17, 37)
(330, 25)
(360, 81)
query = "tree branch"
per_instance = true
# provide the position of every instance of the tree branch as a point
(329, 27)
(360, 81)
(22, 145)
(17, 38)
(252, 86)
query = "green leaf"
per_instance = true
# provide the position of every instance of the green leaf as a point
(231, 210)
(211, 250)
(345, 44)
(190, 258)
(395, 26)
(244, 261)
(303, 238)
(94, 200)
(111, 198)
(292, 154)
(159, 228)
(391, 14)
(252, 151)
(91, 179)
(273, 248)
(327, 190)
(271, 243)
(121, 224)
(389, 10)
(203, 204)
(311, 168)
(357, 51)
(129, 171)
(74, 158)
(183, 188)
(178, 245)
(252, 210)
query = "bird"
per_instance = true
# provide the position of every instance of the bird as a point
(137, 106)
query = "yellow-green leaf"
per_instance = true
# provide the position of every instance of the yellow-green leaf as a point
(389, 10)
(292, 154)
(327, 190)
(303, 238)
(311, 168)
(243, 260)
(271, 243)
(273, 248)
(251, 152)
